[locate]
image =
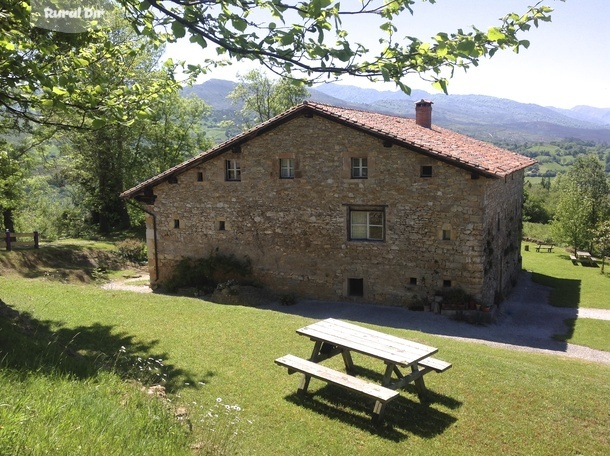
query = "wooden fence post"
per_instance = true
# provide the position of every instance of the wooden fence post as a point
(8, 240)
(36, 239)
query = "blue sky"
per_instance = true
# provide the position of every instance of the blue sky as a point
(567, 64)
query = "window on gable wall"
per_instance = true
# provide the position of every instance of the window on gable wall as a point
(232, 170)
(360, 168)
(367, 225)
(286, 168)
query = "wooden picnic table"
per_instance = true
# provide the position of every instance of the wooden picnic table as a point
(547, 247)
(585, 257)
(332, 337)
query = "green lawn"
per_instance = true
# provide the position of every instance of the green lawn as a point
(219, 363)
(573, 285)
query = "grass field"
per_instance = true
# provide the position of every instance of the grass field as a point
(573, 286)
(218, 361)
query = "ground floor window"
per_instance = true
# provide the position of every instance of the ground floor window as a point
(367, 225)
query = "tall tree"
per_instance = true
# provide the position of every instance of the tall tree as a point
(308, 39)
(262, 98)
(140, 137)
(602, 240)
(583, 202)
(12, 176)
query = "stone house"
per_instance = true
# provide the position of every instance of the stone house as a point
(340, 204)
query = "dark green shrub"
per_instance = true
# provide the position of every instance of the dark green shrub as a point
(207, 273)
(455, 299)
(132, 250)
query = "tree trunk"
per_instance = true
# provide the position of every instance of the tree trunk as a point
(8, 219)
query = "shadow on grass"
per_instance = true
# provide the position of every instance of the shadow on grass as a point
(403, 416)
(564, 293)
(47, 347)
(62, 263)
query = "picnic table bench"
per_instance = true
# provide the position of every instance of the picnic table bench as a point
(333, 337)
(547, 247)
(381, 394)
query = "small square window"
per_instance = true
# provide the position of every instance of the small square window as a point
(447, 283)
(232, 170)
(413, 281)
(360, 168)
(176, 223)
(199, 176)
(221, 225)
(446, 235)
(355, 287)
(286, 168)
(426, 171)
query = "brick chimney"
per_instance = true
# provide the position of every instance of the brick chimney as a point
(423, 113)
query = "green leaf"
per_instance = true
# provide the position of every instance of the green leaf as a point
(178, 29)
(494, 34)
(239, 23)
(441, 84)
(98, 123)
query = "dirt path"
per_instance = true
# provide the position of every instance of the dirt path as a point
(130, 284)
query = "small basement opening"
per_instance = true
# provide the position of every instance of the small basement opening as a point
(355, 287)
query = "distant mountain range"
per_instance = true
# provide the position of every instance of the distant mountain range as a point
(484, 117)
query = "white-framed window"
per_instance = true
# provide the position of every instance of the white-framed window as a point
(232, 170)
(366, 225)
(286, 168)
(360, 168)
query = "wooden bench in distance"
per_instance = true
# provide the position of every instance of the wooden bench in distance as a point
(381, 394)
(548, 248)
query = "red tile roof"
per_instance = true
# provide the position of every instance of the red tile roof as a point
(443, 144)
(439, 142)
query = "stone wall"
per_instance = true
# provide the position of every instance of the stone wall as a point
(439, 231)
(503, 213)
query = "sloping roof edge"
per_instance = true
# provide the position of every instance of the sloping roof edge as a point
(335, 114)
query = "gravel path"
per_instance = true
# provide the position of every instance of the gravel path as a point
(525, 321)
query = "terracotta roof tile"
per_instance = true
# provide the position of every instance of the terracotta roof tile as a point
(436, 141)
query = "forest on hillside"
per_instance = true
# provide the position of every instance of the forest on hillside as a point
(556, 157)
